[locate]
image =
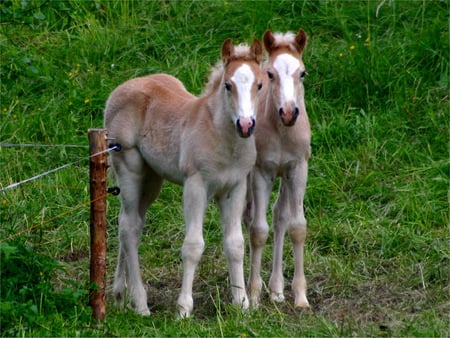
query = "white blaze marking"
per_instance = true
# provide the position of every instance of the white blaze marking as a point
(243, 78)
(286, 65)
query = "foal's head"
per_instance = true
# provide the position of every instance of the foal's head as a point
(286, 72)
(242, 81)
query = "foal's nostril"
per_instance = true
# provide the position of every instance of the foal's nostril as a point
(251, 126)
(245, 126)
(290, 115)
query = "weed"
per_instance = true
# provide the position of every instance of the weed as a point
(27, 292)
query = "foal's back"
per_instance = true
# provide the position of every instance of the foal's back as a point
(147, 114)
(145, 103)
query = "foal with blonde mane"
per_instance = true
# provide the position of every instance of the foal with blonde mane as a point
(283, 149)
(203, 143)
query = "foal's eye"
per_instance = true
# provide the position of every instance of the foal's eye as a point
(228, 86)
(270, 75)
(303, 74)
(259, 85)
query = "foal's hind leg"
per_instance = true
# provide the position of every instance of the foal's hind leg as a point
(139, 188)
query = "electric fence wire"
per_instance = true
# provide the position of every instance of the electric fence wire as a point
(14, 185)
(11, 145)
(37, 225)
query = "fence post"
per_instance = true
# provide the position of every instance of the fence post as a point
(97, 179)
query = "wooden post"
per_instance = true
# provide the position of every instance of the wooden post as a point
(97, 168)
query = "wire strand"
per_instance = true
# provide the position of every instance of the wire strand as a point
(13, 185)
(37, 225)
(11, 145)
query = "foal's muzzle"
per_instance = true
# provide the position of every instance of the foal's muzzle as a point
(288, 116)
(245, 126)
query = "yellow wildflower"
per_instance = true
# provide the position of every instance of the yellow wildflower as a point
(87, 100)
(352, 47)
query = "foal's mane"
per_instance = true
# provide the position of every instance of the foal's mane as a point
(285, 40)
(241, 52)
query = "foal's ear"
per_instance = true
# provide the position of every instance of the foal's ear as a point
(300, 40)
(256, 50)
(268, 41)
(227, 50)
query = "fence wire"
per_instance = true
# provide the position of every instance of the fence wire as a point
(35, 145)
(37, 225)
(14, 185)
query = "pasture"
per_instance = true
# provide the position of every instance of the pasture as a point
(377, 198)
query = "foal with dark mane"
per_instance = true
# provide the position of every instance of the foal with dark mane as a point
(283, 149)
(204, 144)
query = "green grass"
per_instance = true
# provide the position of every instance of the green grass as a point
(377, 204)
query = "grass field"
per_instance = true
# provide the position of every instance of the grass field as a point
(377, 203)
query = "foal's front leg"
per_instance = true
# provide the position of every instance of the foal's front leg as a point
(289, 215)
(231, 209)
(258, 229)
(194, 203)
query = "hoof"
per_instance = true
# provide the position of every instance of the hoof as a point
(183, 314)
(277, 297)
(254, 302)
(301, 304)
(185, 306)
(144, 312)
(254, 292)
(245, 304)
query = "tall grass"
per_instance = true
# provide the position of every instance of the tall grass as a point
(377, 257)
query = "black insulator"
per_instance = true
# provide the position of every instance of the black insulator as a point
(116, 146)
(113, 191)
